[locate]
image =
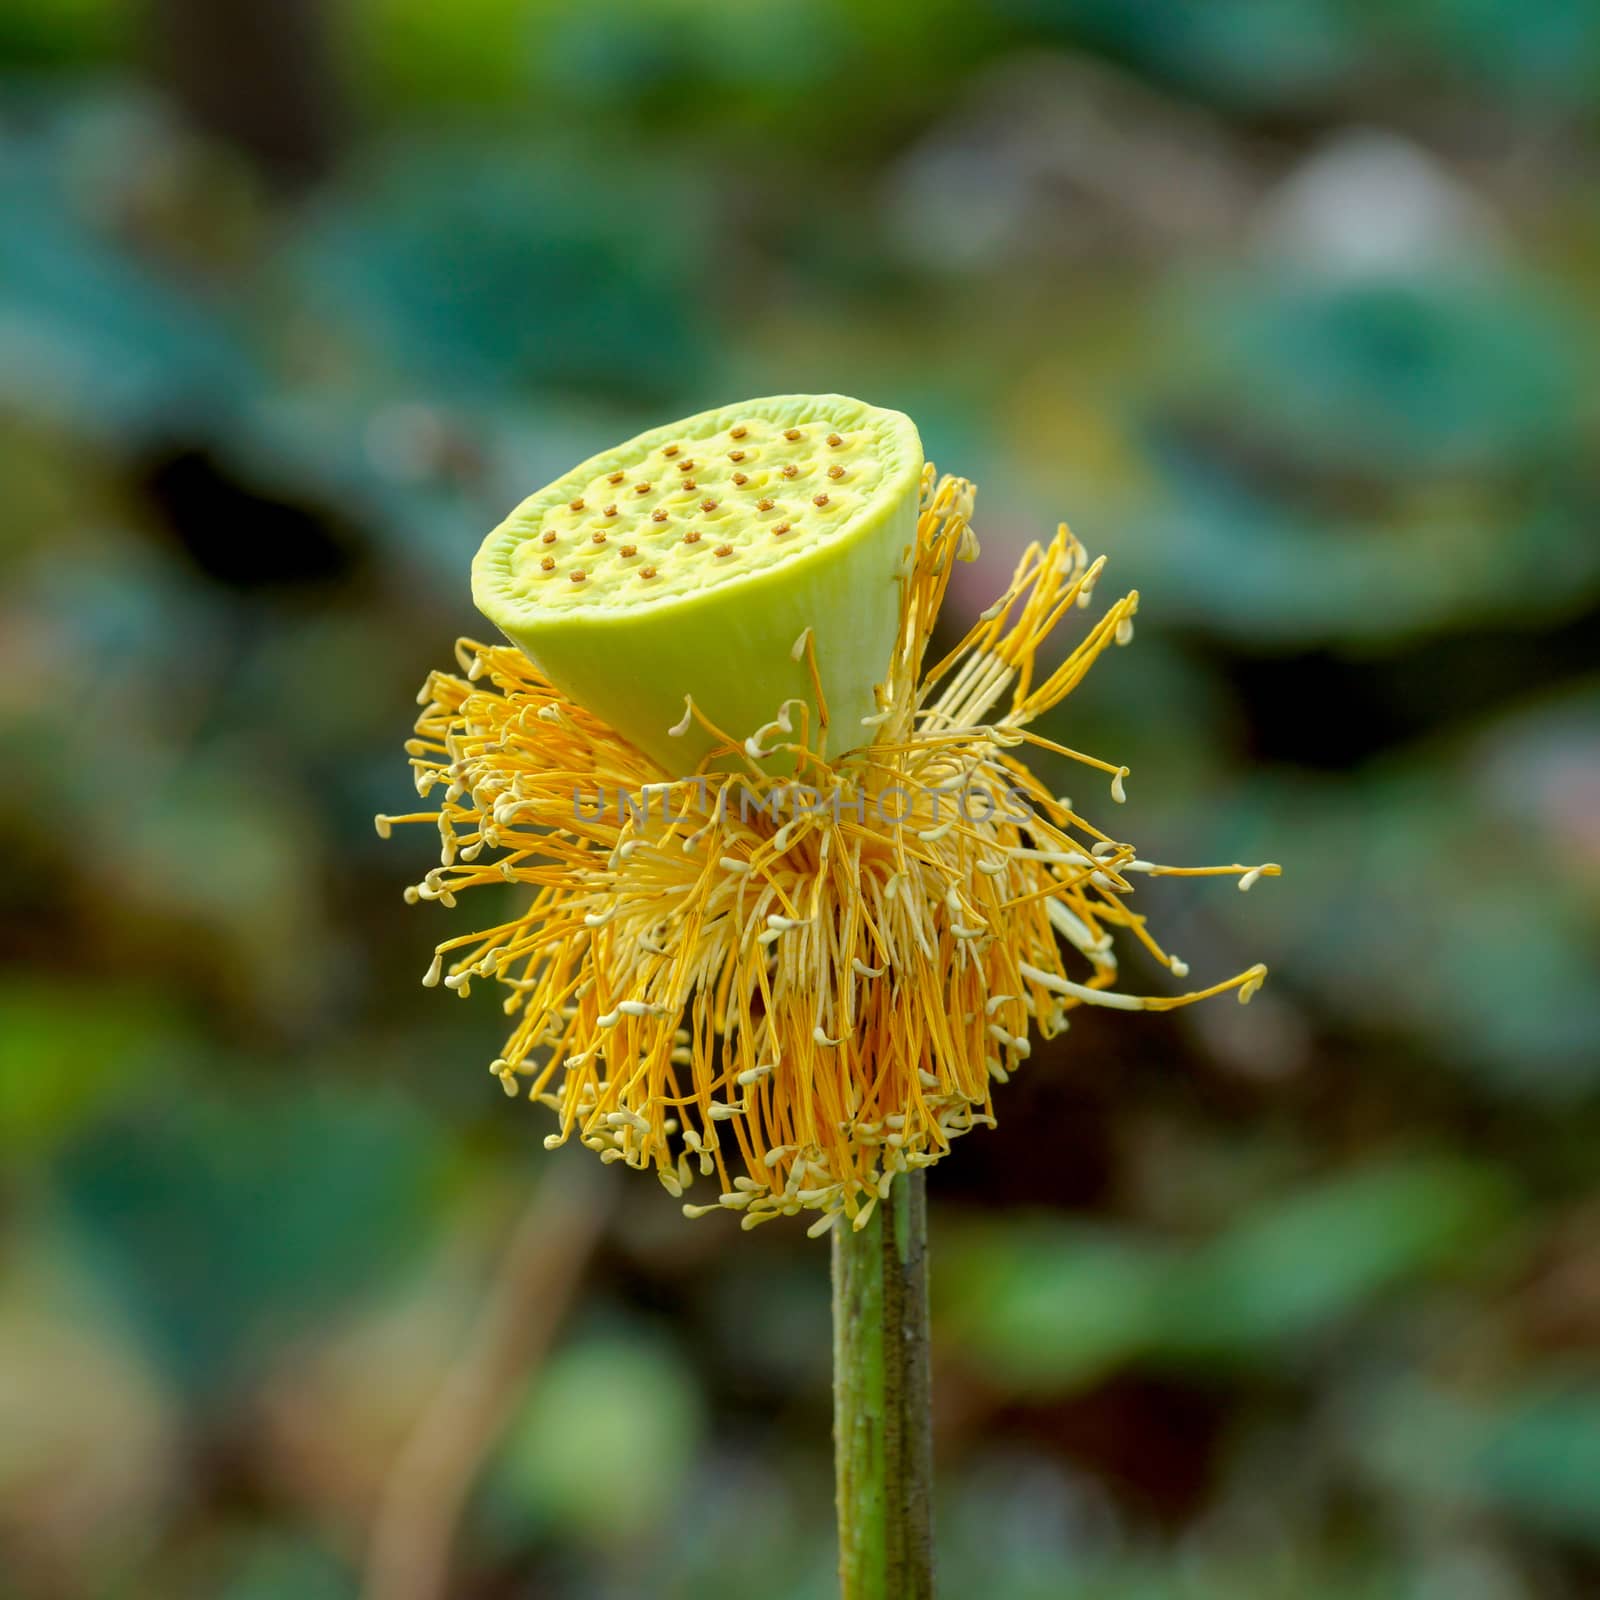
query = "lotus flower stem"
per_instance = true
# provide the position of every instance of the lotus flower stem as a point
(881, 1400)
(783, 1005)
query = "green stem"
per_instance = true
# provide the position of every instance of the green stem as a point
(881, 1394)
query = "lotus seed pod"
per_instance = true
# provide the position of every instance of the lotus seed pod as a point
(691, 560)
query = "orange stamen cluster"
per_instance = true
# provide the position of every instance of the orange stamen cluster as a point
(793, 1002)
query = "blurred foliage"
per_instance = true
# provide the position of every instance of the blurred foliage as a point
(1047, 1307)
(1293, 309)
(609, 1432)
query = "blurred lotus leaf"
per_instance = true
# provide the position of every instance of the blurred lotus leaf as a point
(608, 1434)
(1051, 1306)
(1350, 461)
(65, 1061)
(89, 333)
(227, 1225)
(1402, 920)
(451, 281)
(264, 1566)
(1385, 376)
(1533, 1452)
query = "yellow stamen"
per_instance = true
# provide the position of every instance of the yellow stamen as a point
(792, 1003)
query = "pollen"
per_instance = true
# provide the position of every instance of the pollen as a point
(791, 470)
(723, 550)
(576, 505)
(611, 511)
(647, 572)
(738, 432)
(686, 466)
(834, 440)
(658, 516)
(736, 455)
(641, 488)
(780, 528)
(577, 574)
(628, 550)
(692, 536)
(835, 472)
(598, 536)
(670, 451)
(791, 433)
(548, 536)
(708, 505)
(819, 499)
(764, 504)
(615, 477)
(740, 479)
(548, 564)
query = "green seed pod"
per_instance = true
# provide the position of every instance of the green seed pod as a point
(691, 560)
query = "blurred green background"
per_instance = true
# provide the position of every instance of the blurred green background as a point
(1291, 308)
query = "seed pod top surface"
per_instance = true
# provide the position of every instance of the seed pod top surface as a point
(687, 560)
